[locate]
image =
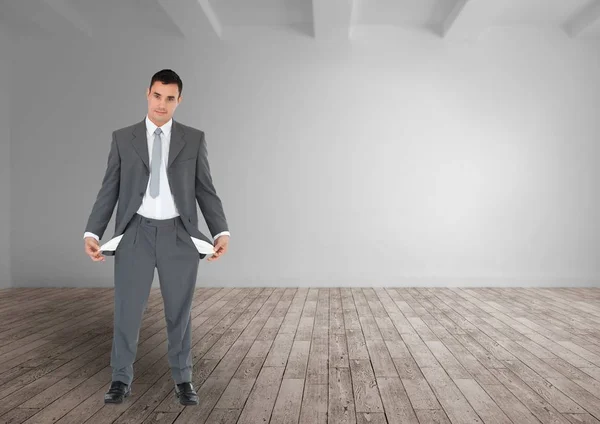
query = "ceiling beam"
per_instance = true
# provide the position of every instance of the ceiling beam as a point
(194, 18)
(211, 16)
(332, 19)
(66, 11)
(469, 18)
(452, 17)
(588, 16)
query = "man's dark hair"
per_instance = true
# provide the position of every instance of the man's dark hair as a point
(167, 76)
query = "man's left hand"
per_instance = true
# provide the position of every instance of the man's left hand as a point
(220, 247)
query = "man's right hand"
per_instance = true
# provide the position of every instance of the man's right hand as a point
(92, 249)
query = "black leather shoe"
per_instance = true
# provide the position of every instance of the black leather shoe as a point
(117, 392)
(186, 394)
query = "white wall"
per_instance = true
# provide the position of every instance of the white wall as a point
(5, 84)
(404, 160)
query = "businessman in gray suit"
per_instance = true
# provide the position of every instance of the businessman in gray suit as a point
(157, 170)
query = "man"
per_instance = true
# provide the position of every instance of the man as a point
(157, 169)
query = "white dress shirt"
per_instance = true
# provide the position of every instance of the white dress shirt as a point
(163, 206)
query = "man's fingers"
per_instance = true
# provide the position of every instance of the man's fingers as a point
(219, 250)
(96, 255)
(92, 249)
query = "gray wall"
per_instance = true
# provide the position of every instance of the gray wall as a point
(402, 161)
(5, 84)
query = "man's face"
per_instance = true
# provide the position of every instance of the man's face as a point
(163, 99)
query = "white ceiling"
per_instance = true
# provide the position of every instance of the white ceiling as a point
(402, 12)
(324, 18)
(262, 12)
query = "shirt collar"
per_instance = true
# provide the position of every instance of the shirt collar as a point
(151, 126)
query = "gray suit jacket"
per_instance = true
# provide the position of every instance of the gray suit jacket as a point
(127, 174)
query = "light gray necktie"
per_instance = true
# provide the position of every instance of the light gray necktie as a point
(155, 165)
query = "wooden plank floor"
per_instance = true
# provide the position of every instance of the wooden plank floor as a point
(313, 356)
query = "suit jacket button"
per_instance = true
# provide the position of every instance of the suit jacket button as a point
(141, 193)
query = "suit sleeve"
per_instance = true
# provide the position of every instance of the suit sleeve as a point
(108, 194)
(206, 195)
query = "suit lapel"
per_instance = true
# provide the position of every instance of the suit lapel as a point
(177, 142)
(140, 142)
